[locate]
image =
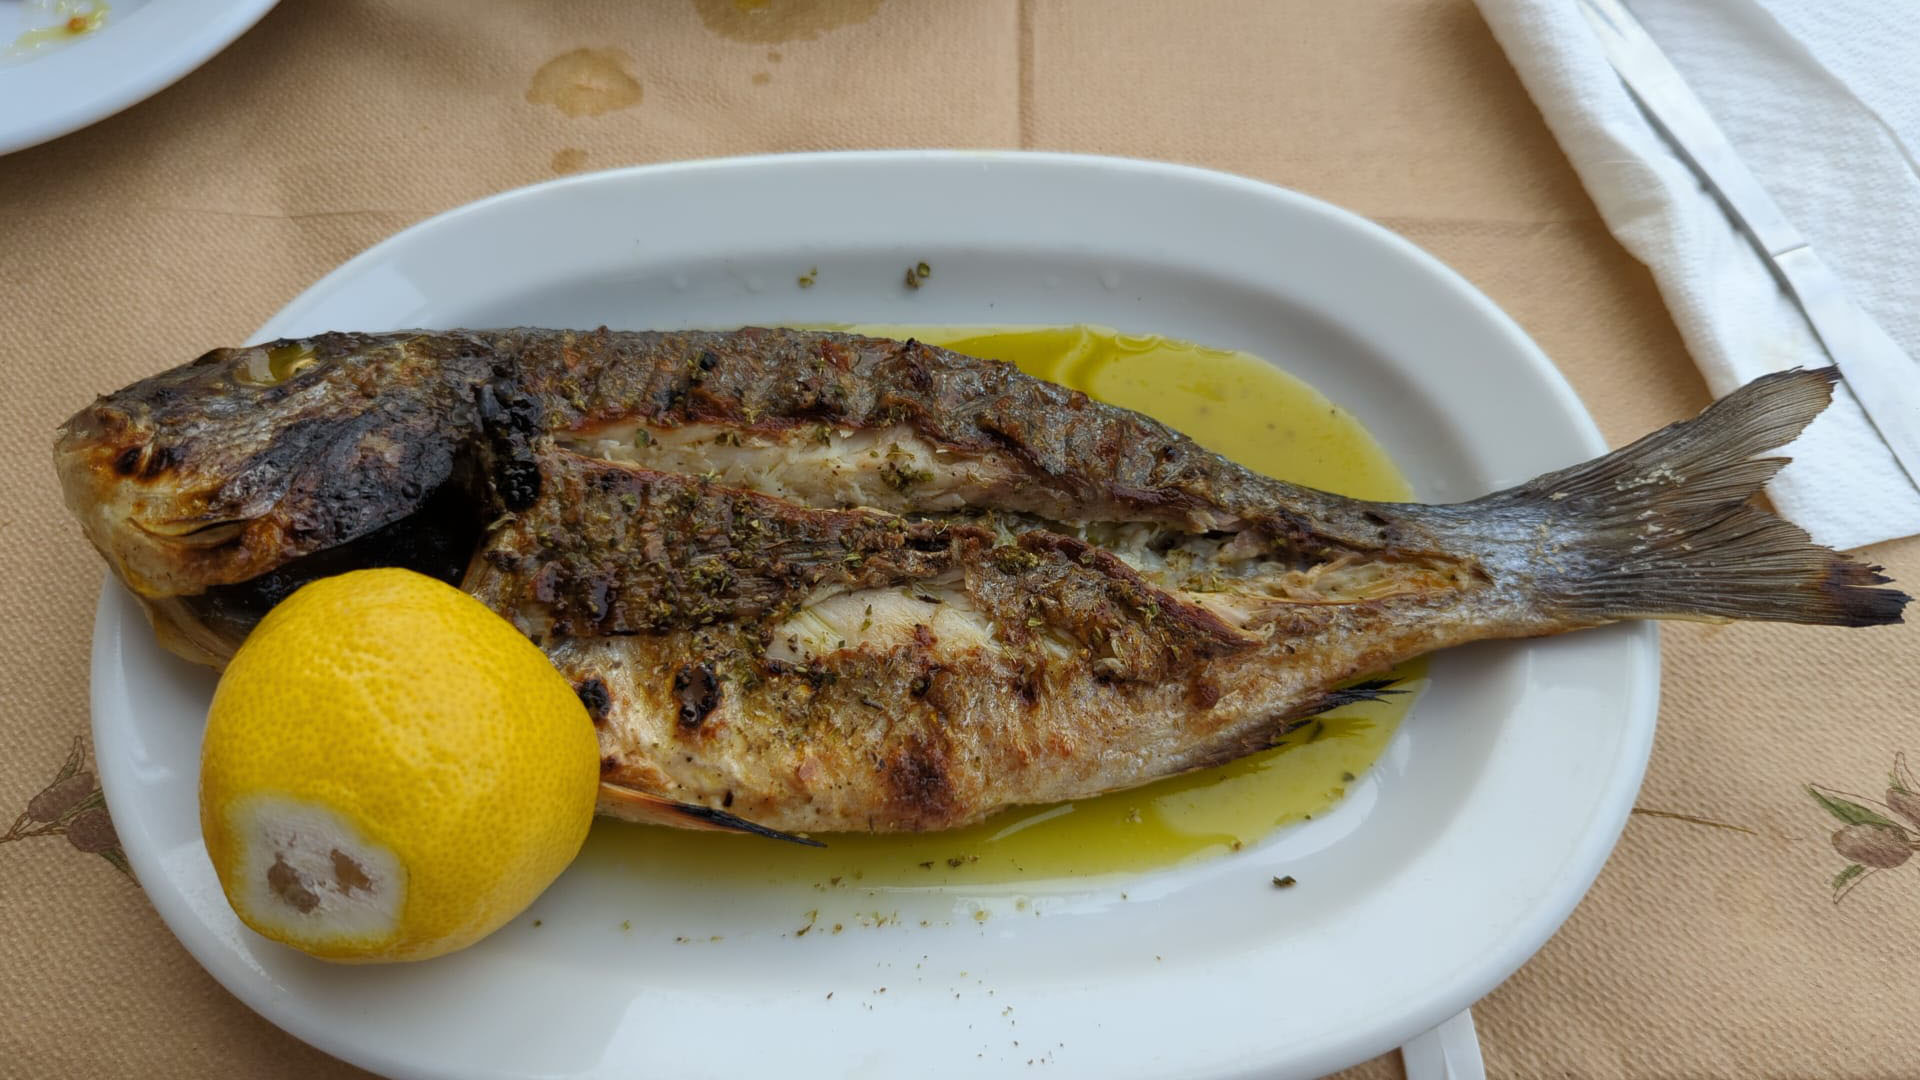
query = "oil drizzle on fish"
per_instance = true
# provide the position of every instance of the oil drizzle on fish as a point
(1232, 403)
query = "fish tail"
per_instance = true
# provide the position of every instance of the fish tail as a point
(1665, 527)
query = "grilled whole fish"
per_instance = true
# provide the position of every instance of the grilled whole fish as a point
(809, 582)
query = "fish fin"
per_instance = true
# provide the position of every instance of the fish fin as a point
(1371, 690)
(1664, 528)
(1233, 746)
(632, 804)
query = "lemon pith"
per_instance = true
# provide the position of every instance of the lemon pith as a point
(391, 771)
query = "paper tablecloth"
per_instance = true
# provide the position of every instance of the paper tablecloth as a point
(1712, 945)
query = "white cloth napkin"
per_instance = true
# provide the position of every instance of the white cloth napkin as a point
(1821, 99)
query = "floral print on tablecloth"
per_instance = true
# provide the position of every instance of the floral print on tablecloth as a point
(71, 805)
(1872, 841)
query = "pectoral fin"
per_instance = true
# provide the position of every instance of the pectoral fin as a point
(1371, 690)
(632, 804)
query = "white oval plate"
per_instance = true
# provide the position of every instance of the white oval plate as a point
(141, 49)
(1448, 865)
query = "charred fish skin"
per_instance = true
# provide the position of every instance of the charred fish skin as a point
(818, 582)
(245, 459)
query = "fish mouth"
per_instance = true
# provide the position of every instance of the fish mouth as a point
(194, 532)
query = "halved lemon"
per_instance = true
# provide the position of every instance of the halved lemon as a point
(391, 771)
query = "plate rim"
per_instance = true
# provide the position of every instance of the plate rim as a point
(150, 73)
(1581, 865)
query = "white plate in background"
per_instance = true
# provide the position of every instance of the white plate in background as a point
(1448, 865)
(143, 47)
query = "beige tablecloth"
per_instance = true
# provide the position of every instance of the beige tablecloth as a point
(1712, 944)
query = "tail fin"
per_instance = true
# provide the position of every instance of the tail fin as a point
(1664, 528)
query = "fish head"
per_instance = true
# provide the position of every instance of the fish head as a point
(249, 459)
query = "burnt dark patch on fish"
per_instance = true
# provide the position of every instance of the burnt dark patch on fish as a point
(1848, 591)
(593, 694)
(917, 774)
(1203, 692)
(1028, 686)
(437, 540)
(510, 421)
(697, 691)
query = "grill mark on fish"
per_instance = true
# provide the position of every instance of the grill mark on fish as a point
(813, 581)
(1080, 458)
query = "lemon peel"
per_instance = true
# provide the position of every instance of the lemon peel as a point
(391, 771)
